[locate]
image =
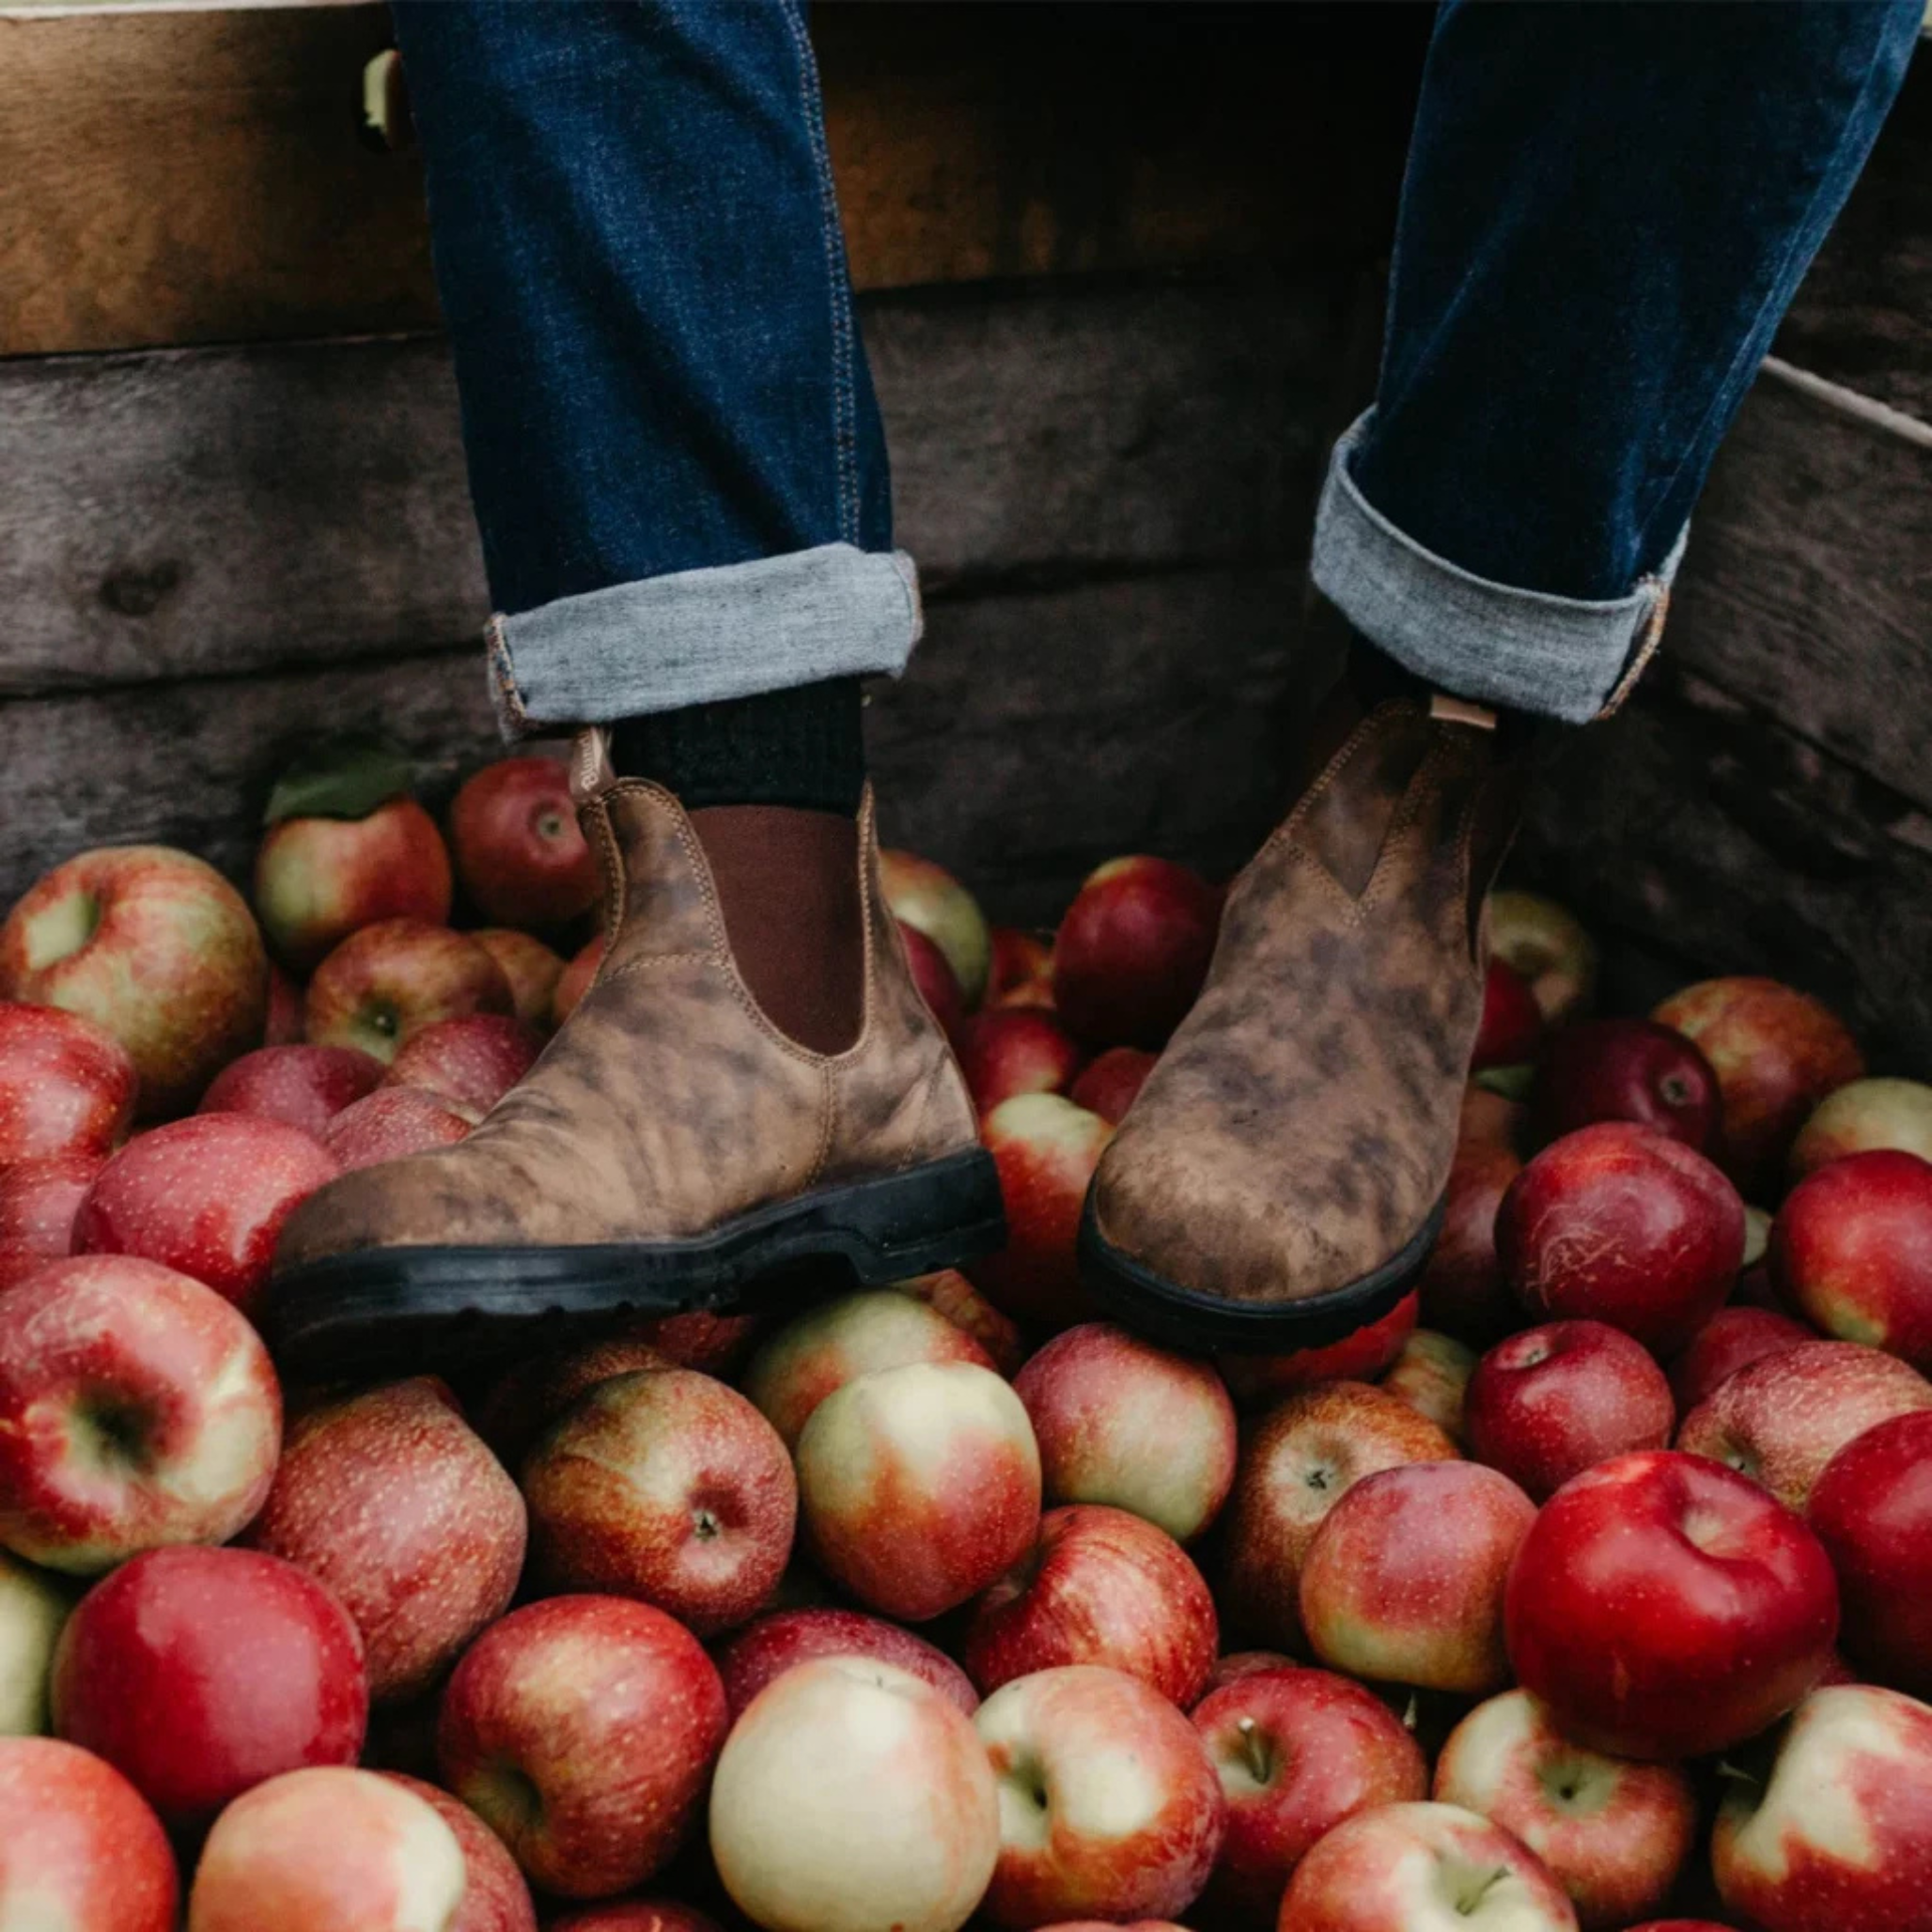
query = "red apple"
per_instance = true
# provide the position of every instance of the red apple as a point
(282, 1027)
(38, 1200)
(1547, 945)
(1432, 1375)
(1257, 1379)
(137, 1408)
(1121, 1421)
(1133, 952)
(938, 985)
(919, 1486)
(701, 1338)
(1852, 1248)
(1109, 1807)
(1872, 1510)
(532, 968)
(1301, 1459)
(389, 1499)
(1016, 1050)
(390, 1123)
(1046, 1150)
(1297, 1752)
(640, 1915)
(788, 1638)
(67, 1085)
(1621, 1225)
(582, 1730)
(524, 1402)
(931, 901)
(1626, 1069)
(319, 879)
(853, 1793)
(574, 981)
(495, 1898)
(471, 1062)
(81, 1849)
(1839, 1834)
(667, 1486)
(1406, 1866)
(299, 1085)
(1613, 1834)
(1462, 1292)
(33, 1607)
(1732, 1339)
(827, 1347)
(965, 1307)
(1112, 1082)
(1862, 1116)
(1404, 1579)
(198, 1672)
(388, 981)
(1018, 961)
(519, 851)
(1776, 1051)
(1512, 1022)
(1232, 1665)
(1100, 1587)
(205, 1196)
(1663, 1607)
(1554, 1401)
(1783, 1418)
(155, 947)
(329, 1850)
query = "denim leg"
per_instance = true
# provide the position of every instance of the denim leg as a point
(1608, 210)
(675, 453)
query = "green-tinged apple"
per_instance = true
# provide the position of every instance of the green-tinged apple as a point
(495, 1896)
(390, 1498)
(1547, 945)
(1614, 1833)
(668, 1485)
(33, 1607)
(1109, 1805)
(387, 981)
(1046, 1150)
(155, 947)
(532, 968)
(786, 1639)
(930, 900)
(138, 1408)
(919, 1486)
(853, 1797)
(965, 1307)
(1432, 1375)
(328, 1850)
(1862, 1116)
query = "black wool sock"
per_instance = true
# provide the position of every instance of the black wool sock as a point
(804, 747)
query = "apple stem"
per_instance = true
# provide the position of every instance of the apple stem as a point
(1256, 1750)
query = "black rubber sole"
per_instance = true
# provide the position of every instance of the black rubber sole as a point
(1207, 1324)
(388, 1310)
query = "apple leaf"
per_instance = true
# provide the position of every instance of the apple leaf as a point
(1512, 1083)
(344, 777)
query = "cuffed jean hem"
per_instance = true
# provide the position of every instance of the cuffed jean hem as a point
(695, 637)
(1556, 657)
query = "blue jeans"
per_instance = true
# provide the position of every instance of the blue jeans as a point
(677, 459)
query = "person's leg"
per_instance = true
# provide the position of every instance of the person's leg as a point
(680, 480)
(1608, 209)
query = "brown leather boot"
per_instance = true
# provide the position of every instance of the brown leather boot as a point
(1278, 1181)
(671, 1149)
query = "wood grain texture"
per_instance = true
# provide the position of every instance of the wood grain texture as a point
(206, 512)
(195, 175)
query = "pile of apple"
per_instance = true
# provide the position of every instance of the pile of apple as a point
(1592, 1584)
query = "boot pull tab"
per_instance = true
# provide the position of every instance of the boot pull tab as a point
(1445, 710)
(590, 765)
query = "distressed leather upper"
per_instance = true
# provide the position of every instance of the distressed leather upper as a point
(1298, 1131)
(668, 1103)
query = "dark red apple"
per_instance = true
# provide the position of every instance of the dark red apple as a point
(1776, 1053)
(1257, 1381)
(574, 981)
(786, 1638)
(1732, 1339)
(1512, 1022)
(1462, 1290)
(199, 1672)
(1622, 1225)
(1872, 1510)
(1109, 1085)
(1663, 1607)
(471, 1062)
(205, 1196)
(282, 1027)
(67, 1085)
(38, 1200)
(519, 851)
(1132, 951)
(1016, 1050)
(1852, 1247)
(934, 979)
(1626, 1069)
(303, 1087)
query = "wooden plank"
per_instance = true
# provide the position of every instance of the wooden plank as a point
(195, 175)
(1807, 590)
(1037, 734)
(1712, 828)
(212, 511)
